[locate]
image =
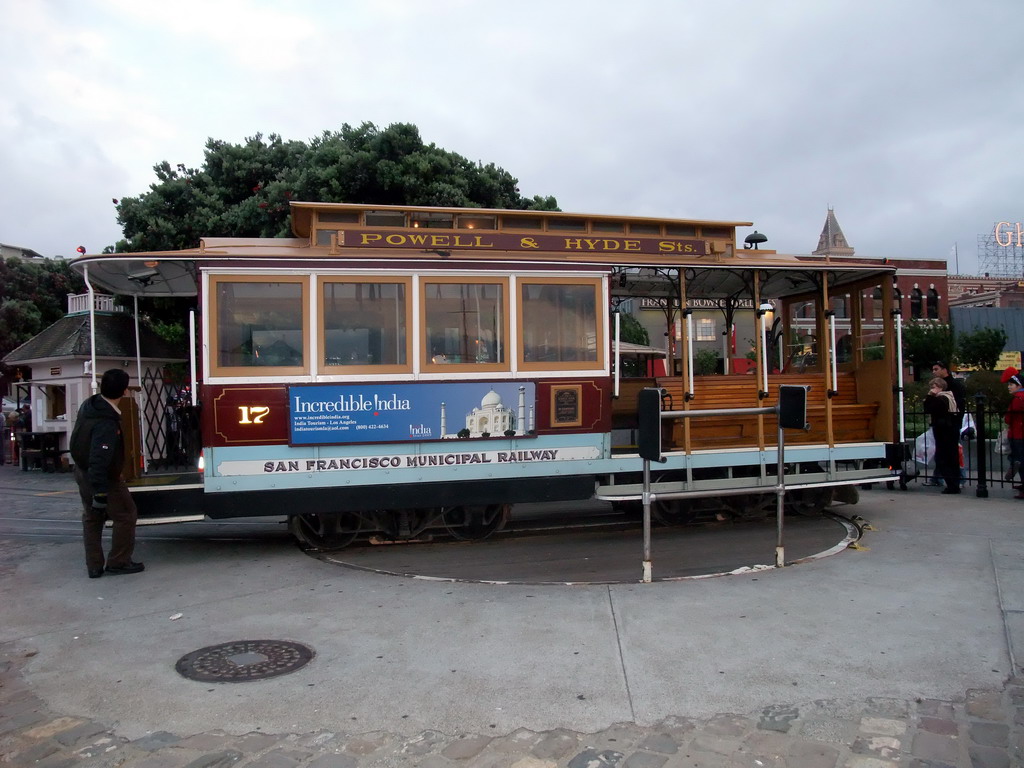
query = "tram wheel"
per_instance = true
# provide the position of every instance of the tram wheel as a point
(674, 512)
(475, 523)
(808, 501)
(403, 524)
(749, 506)
(325, 533)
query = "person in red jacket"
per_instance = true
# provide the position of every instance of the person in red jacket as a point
(1014, 419)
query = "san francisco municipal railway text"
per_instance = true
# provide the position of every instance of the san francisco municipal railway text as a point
(397, 462)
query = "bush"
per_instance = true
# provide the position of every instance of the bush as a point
(705, 362)
(997, 396)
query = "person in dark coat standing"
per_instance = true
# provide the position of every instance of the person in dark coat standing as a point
(941, 406)
(941, 369)
(97, 447)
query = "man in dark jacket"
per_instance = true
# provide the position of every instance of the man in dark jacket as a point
(97, 447)
(940, 368)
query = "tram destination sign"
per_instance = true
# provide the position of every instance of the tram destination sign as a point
(498, 241)
(338, 414)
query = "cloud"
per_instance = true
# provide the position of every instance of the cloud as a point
(902, 116)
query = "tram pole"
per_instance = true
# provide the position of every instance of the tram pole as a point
(649, 417)
(780, 498)
(647, 522)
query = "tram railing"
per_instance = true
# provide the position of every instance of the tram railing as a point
(791, 413)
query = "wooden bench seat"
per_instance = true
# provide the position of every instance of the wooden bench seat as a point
(624, 407)
(851, 421)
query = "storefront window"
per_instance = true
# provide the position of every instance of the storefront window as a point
(464, 323)
(364, 323)
(259, 324)
(559, 324)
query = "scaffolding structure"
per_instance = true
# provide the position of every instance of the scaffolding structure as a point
(1001, 251)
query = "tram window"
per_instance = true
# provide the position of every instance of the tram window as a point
(645, 229)
(427, 220)
(258, 323)
(872, 344)
(875, 304)
(841, 305)
(522, 222)
(464, 324)
(384, 219)
(323, 236)
(559, 326)
(476, 222)
(681, 230)
(567, 225)
(607, 226)
(364, 323)
(338, 217)
(716, 232)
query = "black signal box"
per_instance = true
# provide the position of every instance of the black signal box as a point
(649, 423)
(792, 407)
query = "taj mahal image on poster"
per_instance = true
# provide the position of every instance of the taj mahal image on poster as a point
(492, 417)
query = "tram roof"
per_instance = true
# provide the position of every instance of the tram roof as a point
(304, 215)
(712, 265)
(780, 276)
(175, 273)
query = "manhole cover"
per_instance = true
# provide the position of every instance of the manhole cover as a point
(243, 660)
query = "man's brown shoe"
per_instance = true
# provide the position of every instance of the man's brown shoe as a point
(130, 567)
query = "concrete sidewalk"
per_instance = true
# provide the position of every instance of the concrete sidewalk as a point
(896, 654)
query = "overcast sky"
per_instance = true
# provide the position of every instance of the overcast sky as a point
(907, 116)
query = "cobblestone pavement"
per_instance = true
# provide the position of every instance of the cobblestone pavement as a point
(984, 729)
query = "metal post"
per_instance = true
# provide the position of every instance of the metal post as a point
(618, 358)
(142, 390)
(689, 351)
(979, 428)
(898, 317)
(192, 355)
(92, 331)
(780, 500)
(647, 522)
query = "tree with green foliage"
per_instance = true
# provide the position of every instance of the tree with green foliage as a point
(981, 348)
(33, 295)
(243, 190)
(632, 330)
(989, 384)
(926, 341)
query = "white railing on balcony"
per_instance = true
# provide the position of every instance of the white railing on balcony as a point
(80, 303)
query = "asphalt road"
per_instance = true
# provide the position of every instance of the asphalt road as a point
(931, 607)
